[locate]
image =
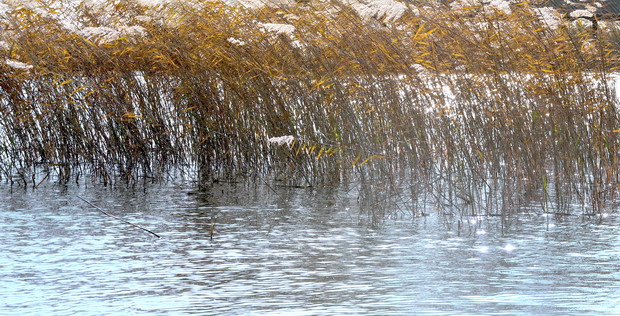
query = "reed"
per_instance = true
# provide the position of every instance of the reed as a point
(472, 110)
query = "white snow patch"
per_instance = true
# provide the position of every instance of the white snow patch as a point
(591, 8)
(151, 3)
(284, 29)
(500, 5)
(257, 4)
(104, 34)
(550, 16)
(388, 11)
(581, 14)
(582, 23)
(100, 34)
(235, 41)
(17, 64)
(4, 8)
(133, 31)
(461, 4)
(143, 18)
(298, 44)
(419, 68)
(282, 140)
(291, 17)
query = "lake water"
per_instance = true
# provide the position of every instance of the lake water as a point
(290, 251)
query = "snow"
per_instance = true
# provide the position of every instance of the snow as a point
(151, 3)
(100, 34)
(591, 8)
(284, 29)
(582, 23)
(499, 5)
(60, 11)
(103, 34)
(17, 64)
(550, 16)
(4, 8)
(143, 18)
(419, 68)
(235, 41)
(282, 140)
(462, 4)
(133, 31)
(257, 4)
(291, 17)
(581, 14)
(388, 11)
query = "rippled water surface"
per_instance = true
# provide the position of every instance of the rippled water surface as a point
(289, 251)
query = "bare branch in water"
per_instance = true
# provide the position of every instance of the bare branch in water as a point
(116, 217)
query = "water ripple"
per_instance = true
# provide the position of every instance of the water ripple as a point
(269, 255)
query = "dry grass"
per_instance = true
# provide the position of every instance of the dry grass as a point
(473, 111)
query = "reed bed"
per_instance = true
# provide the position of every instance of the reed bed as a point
(472, 110)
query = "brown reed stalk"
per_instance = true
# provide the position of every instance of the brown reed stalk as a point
(469, 107)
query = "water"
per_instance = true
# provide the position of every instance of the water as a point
(293, 251)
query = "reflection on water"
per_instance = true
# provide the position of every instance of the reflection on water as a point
(290, 251)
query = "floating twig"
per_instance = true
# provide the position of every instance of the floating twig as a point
(116, 217)
(212, 228)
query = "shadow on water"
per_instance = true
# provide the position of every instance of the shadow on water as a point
(290, 250)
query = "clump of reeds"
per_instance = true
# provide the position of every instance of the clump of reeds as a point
(473, 110)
